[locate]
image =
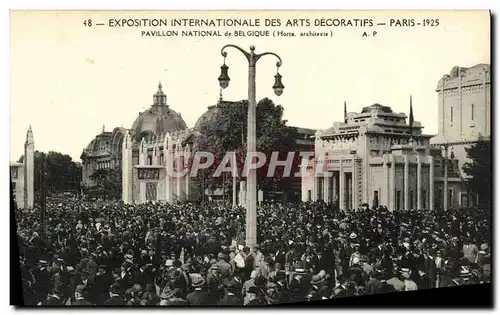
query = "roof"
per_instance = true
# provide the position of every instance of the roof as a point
(385, 109)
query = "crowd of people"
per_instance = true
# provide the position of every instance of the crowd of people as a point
(108, 253)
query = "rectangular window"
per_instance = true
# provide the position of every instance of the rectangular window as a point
(472, 112)
(424, 199)
(320, 189)
(451, 113)
(450, 198)
(411, 199)
(398, 200)
(309, 195)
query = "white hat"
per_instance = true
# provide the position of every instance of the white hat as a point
(353, 235)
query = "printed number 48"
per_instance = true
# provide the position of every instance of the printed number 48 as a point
(87, 23)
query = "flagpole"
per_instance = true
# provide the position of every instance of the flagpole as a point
(345, 112)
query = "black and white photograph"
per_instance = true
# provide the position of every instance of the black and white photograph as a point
(250, 158)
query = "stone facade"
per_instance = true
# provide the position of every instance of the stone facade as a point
(141, 153)
(147, 180)
(23, 175)
(138, 153)
(464, 102)
(464, 115)
(372, 157)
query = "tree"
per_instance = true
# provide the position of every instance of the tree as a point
(226, 130)
(108, 183)
(62, 173)
(479, 168)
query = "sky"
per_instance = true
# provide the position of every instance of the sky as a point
(68, 80)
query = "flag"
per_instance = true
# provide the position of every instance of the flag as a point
(411, 118)
(345, 112)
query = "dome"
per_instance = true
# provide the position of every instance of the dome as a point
(208, 118)
(158, 119)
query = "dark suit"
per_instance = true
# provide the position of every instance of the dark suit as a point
(100, 288)
(199, 298)
(81, 302)
(230, 300)
(115, 300)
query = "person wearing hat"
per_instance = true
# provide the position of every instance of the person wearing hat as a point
(198, 296)
(483, 260)
(42, 282)
(249, 262)
(80, 293)
(469, 250)
(249, 283)
(100, 286)
(272, 294)
(409, 284)
(230, 296)
(175, 299)
(115, 296)
(255, 296)
(340, 290)
(355, 271)
(166, 294)
(134, 294)
(126, 274)
(258, 257)
(54, 298)
(320, 284)
(214, 283)
(225, 268)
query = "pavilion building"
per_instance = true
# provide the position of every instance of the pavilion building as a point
(373, 157)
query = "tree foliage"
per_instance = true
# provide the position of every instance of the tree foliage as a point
(62, 173)
(479, 168)
(226, 130)
(108, 183)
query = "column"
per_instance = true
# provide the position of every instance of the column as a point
(445, 193)
(178, 161)
(334, 187)
(127, 169)
(243, 194)
(392, 184)
(385, 198)
(142, 153)
(341, 186)
(354, 204)
(419, 182)
(316, 187)
(169, 156)
(326, 187)
(348, 198)
(431, 183)
(407, 184)
(142, 191)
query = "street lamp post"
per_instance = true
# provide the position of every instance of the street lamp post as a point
(251, 200)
